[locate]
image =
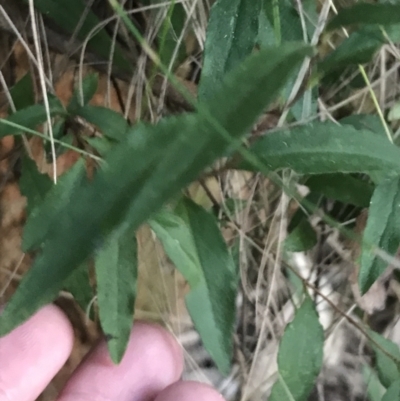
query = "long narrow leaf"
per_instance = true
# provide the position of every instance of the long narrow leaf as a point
(393, 392)
(358, 48)
(30, 117)
(321, 148)
(342, 187)
(382, 230)
(78, 284)
(366, 13)
(33, 185)
(231, 36)
(300, 355)
(145, 170)
(116, 275)
(387, 367)
(112, 124)
(43, 214)
(194, 243)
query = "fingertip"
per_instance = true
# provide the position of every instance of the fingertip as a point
(153, 360)
(189, 391)
(165, 340)
(33, 353)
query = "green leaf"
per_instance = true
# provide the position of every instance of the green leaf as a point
(393, 392)
(374, 389)
(33, 185)
(30, 117)
(169, 34)
(387, 368)
(374, 124)
(43, 214)
(72, 14)
(382, 230)
(393, 32)
(116, 277)
(22, 93)
(302, 238)
(193, 241)
(84, 92)
(286, 18)
(394, 113)
(265, 37)
(231, 36)
(358, 48)
(365, 121)
(365, 13)
(102, 145)
(300, 355)
(145, 170)
(342, 187)
(78, 284)
(326, 148)
(112, 124)
(176, 237)
(282, 23)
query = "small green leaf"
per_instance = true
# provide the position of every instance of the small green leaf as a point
(176, 237)
(387, 368)
(374, 389)
(145, 170)
(84, 92)
(59, 133)
(30, 117)
(78, 284)
(284, 21)
(302, 238)
(374, 124)
(22, 93)
(194, 243)
(393, 392)
(342, 187)
(366, 13)
(113, 125)
(365, 121)
(231, 36)
(116, 276)
(169, 34)
(33, 185)
(280, 22)
(58, 129)
(102, 145)
(382, 230)
(42, 216)
(358, 48)
(300, 355)
(394, 113)
(392, 32)
(326, 148)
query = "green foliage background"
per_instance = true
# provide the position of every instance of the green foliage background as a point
(258, 55)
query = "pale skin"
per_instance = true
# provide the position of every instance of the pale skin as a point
(32, 354)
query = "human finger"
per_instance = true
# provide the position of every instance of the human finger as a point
(152, 361)
(32, 354)
(189, 391)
